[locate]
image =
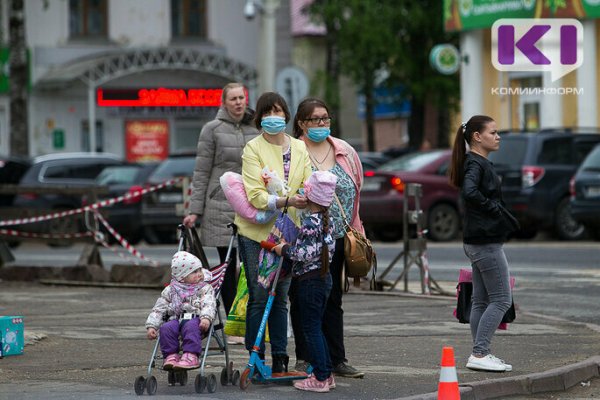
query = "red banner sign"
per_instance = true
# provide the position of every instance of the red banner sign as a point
(160, 97)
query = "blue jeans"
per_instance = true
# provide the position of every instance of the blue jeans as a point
(312, 295)
(257, 301)
(491, 292)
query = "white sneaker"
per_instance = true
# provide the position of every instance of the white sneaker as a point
(508, 366)
(487, 363)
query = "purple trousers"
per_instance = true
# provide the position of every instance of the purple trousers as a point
(191, 337)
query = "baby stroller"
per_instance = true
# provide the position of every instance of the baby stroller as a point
(189, 241)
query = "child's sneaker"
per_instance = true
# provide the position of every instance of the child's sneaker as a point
(331, 381)
(188, 361)
(170, 361)
(312, 384)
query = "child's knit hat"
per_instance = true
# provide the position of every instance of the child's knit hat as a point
(183, 264)
(320, 187)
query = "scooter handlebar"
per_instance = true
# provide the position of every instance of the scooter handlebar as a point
(267, 245)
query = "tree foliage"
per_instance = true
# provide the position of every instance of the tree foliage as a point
(375, 36)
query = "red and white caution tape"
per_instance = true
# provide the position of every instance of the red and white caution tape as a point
(122, 241)
(95, 206)
(11, 232)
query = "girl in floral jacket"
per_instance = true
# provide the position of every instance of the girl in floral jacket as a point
(185, 308)
(312, 252)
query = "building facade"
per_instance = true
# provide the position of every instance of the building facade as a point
(526, 99)
(147, 72)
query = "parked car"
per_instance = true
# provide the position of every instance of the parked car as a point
(382, 196)
(372, 159)
(125, 216)
(12, 169)
(66, 170)
(159, 208)
(585, 193)
(535, 169)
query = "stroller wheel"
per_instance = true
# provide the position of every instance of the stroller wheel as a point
(171, 378)
(200, 383)
(139, 385)
(235, 377)
(245, 379)
(212, 383)
(151, 385)
(224, 377)
(182, 377)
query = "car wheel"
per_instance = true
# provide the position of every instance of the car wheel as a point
(443, 223)
(564, 224)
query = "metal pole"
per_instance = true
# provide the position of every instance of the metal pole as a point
(92, 117)
(267, 49)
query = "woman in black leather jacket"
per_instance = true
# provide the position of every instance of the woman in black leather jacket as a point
(486, 226)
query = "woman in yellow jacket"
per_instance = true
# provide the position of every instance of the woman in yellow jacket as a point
(288, 159)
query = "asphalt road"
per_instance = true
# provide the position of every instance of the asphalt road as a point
(547, 272)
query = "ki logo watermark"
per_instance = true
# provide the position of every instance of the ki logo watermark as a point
(546, 44)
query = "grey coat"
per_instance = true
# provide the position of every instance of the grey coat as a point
(219, 150)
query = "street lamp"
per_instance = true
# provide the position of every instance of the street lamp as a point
(266, 62)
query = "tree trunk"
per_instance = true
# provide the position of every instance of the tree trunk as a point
(370, 110)
(19, 138)
(416, 123)
(332, 79)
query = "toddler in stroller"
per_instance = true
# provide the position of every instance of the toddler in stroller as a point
(189, 307)
(186, 307)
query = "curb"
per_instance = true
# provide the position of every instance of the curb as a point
(554, 380)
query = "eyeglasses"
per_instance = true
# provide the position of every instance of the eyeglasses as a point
(325, 120)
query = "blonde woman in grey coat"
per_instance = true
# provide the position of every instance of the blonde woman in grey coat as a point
(220, 150)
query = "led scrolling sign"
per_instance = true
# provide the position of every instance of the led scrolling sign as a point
(160, 97)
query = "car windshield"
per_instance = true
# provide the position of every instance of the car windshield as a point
(512, 151)
(170, 168)
(116, 175)
(411, 162)
(592, 161)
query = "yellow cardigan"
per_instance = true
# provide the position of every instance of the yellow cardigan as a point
(257, 154)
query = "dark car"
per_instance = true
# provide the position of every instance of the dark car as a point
(125, 216)
(372, 159)
(12, 169)
(535, 169)
(382, 196)
(160, 215)
(60, 171)
(585, 193)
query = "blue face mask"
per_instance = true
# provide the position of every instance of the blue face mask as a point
(273, 124)
(318, 134)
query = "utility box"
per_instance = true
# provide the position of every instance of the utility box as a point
(12, 338)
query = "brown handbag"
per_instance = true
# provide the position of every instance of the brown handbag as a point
(359, 256)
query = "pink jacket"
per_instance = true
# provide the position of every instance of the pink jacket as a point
(347, 157)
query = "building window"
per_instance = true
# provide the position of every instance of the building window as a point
(188, 18)
(85, 136)
(87, 18)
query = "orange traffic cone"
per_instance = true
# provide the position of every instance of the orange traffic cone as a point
(448, 386)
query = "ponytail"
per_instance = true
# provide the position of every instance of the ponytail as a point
(464, 135)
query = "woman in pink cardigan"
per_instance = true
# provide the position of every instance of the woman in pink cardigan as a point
(312, 125)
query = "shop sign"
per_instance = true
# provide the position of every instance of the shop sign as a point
(545, 44)
(462, 15)
(160, 97)
(146, 140)
(58, 139)
(445, 59)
